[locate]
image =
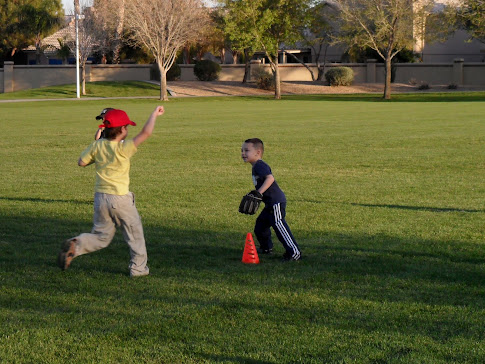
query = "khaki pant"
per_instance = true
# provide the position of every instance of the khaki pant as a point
(111, 211)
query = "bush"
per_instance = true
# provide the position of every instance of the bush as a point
(339, 76)
(264, 80)
(174, 72)
(452, 86)
(207, 70)
(423, 86)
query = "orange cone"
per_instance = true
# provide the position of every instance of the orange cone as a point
(250, 255)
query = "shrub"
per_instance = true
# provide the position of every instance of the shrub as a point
(413, 82)
(174, 72)
(339, 76)
(207, 70)
(264, 80)
(423, 86)
(452, 86)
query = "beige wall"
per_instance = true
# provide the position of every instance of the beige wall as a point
(474, 74)
(119, 72)
(27, 77)
(36, 76)
(16, 78)
(431, 73)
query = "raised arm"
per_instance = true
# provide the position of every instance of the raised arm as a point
(98, 133)
(148, 127)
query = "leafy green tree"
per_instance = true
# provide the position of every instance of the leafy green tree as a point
(23, 22)
(265, 25)
(472, 16)
(318, 32)
(38, 19)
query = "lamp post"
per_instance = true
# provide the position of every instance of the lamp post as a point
(76, 24)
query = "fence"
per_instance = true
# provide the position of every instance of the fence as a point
(16, 78)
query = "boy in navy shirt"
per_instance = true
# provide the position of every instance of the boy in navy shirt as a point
(273, 214)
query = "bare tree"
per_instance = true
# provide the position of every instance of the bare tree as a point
(383, 25)
(111, 14)
(164, 27)
(90, 34)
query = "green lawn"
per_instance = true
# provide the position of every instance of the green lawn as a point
(93, 89)
(386, 200)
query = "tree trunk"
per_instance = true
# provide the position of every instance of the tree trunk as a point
(83, 78)
(163, 82)
(321, 69)
(234, 57)
(119, 32)
(277, 81)
(247, 68)
(387, 85)
(223, 56)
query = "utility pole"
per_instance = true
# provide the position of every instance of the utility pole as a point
(76, 24)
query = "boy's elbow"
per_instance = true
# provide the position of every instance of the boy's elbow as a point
(80, 163)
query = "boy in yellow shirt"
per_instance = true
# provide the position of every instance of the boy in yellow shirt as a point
(114, 204)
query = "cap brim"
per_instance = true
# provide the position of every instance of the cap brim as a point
(99, 117)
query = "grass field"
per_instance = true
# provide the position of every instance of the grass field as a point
(386, 200)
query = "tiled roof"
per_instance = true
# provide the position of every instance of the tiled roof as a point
(51, 43)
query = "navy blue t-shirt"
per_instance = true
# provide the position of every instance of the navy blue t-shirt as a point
(273, 194)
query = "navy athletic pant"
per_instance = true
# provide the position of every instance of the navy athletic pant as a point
(274, 217)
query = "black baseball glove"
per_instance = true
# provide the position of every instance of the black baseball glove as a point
(250, 203)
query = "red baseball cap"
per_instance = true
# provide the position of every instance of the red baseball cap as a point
(114, 118)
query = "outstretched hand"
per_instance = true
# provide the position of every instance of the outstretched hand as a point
(159, 111)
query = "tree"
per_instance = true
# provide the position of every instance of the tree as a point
(266, 24)
(90, 36)
(23, 22)
(239, 32)
(318, 32)
(64, 50)
(383, 25)
(37, 20)
(472, 16)
(113, 23)
(164, 27)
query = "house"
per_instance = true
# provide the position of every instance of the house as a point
(51, 45)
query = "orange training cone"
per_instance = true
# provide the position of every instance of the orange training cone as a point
(250, 255)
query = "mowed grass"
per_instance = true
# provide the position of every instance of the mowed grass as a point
(386, 200)
(93, 89)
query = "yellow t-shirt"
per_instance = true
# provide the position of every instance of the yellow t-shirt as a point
(112, 161)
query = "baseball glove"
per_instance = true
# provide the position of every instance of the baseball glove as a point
(250, 203)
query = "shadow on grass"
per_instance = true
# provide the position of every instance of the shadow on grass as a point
(395, 206)
(360, 283)
(329, 260)
(419, 208)
(411, 97)
(46, 200)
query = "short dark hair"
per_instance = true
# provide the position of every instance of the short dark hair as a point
(111, 133)
(258, 143)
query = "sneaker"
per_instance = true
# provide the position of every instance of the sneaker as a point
(66, 255)
(264, 251)
(140, 274)
(289, 258)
